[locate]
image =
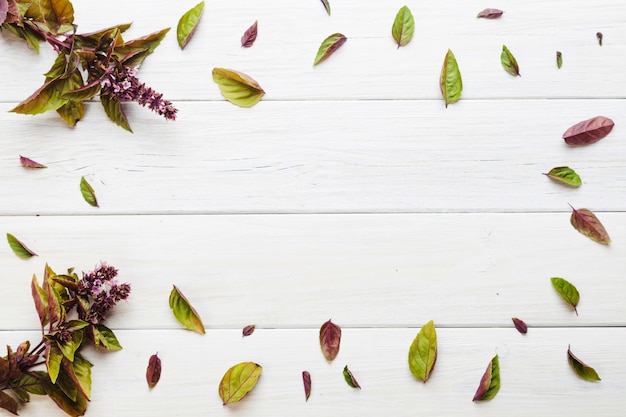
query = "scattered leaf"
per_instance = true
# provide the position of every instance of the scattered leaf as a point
(559, 59)
(326, 4)
(88, 193)
(509, 62)
(599, 36)
(238, 88)
(328, 47)
(589, 225)
(450, 83)
(403, 27)
(306, 380)
(583, 370)
(330, 340)
(350, 379)
(184, 312)
(238, 381)
(564, 175)
(19, 248)
(423, 352)
(588, 131)
(520, 325)
(490, 382)
(248, 330)
(29, 163)
(249, 36)
(188, 23)
(567, 291)
(153, 373)
(490, 14)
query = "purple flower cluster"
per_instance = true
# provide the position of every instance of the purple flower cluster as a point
(100, 285)
(120, 84)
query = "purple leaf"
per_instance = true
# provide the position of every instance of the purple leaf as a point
(29, 163)
(520, 325)
(490, 14)
(306, 380)
(350, 379)
(588, 131)
(153, 373)
(248, 330)
(249, 36)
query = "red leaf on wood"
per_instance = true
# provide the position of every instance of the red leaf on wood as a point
(153, 373)
(589, 225)
(29, 163)
(330, 339)
(588, 131)
(520, 325)
(490, 13)
(306, 380)
(249, 36)
(248, 330)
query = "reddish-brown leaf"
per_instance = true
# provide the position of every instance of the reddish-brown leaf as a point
(8, 403)
(589, 225)
(153, 373)
(490, 14)
(520, 325)
(29, 163)
(249, 36)
(248, 330)
(588, 131)
(330, 339)
(306, 380)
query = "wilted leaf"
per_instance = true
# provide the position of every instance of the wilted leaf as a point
(8, 403)
(490, 14)
(350, 379)
(567, 291)
(114, 111)
(188, 23)
(326, 6)
(249, 36)
(583, 370)
(184, 312)
(599, 36)
(403, 27)
(564, 175)
(588, 131)
(72, 112)
(559, 59)
(509, 62)
(423, 352)
(520, 325)
(490, 382)
(29, 163)
(328, 47)
(88, 193)
(238, 381)
(153, 373)
(330, 340)
(248, 330)
(19, 248)
(237, 87)
(450, 82)
(589, 225)
(306, 380)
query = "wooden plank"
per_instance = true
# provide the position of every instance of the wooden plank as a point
(297, 271)
(536, 378)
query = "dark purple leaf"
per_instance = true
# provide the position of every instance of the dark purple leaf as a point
(249, 36)
(588, 131)
(306, 380)
(520, 325)
(248, 330)
(330, 339)
(153, 373)
(8, 403)
(490, 382)
(29, 163)
(599, 36)
(490, 14)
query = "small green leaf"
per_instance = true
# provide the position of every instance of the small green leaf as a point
(450, 82)
(490, 382)
(8, 403)
(188, 23)
(423, 352)
(82, 374)
(19, 248)
(88, 193)
(403, 27)
(105, 336)
(114, 111)
(509, 62)
(30, 384)
(54, 357)
(584, 371)
(349, 377)
(238, 88)
(567, 291)
(565, 175)
(57, 14)
(328, 47)
(559, 59)
(184, 311)
(326, 4)
(238, 381)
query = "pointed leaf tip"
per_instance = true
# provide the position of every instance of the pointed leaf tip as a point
(509, 62)
(249, 36)
(588, 131)
(586, 222)
(19, 248)
(184, 311)
(583, 370)
(153, 373)
(330, 340)
(423, 352)
(350, 379)
(328, 47)
(567, 291)
(88, 193)
(238, 381)
(490, 382)
(306, 380)
(520, 325)
(29, 163)
(403, 27)
(450, 82)
(188, 23)
(238, 88)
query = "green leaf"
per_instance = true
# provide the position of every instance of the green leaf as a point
(70, 347)
(31, 37)
(47, 97)
(57, 14)
(238, 381)
(509, 62)
(565, 175)
(184, 312)
(238, 88)
(589, 225)
(30, 384)
(8, 403)
(326, 4)
(567, 291)
(559, 59)
(19, 248)
(584, 371)
(72, 112)
(450, 82)
(54, 357)
(73, 408)
(490, 382)
(105, 336)
(114, 111)
(188, 23)
(133, 53)
(41, 301)
(82, 370)
(423, 352)
(88, 193)
(328, 47)
(85, 92)
(403, 27)
(76, 377)
(350, 379)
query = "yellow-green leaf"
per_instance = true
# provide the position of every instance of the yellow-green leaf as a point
(19, 248)
(583, 370)
(47, 97)
(237, 87)
(88, 193)
(328, 47)
(509, 62)
(184, 311)
(567, 291)
(490, 382)
(82, 373)
(423, 352)
(73, 408)
(559, 59)
(57, 14)
(239, 381)
(105, 337)
(450, 82)
(403, 27)
(54, 357)
(565, 175)
(114, 111)
(188, 23)
(70, 347)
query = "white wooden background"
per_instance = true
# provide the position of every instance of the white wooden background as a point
(349, 192)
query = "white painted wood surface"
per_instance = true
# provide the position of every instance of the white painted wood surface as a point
(349, 192)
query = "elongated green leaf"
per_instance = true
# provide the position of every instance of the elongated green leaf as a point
(589, 225)
(237, 87)
(114, 111)
(105, 337)
(559, 59)
(588, 131)
(184, 311)
(30, 384)
(239, 381)
(19, 248)
(188, 23)
(79, 373)
(58, 14)
(423, 352)
(583, 370)
(565, 175)
(326, 4)
(47, 97)
(403, 26)
(509, 62)
(72, 112)
(88, 193)
(153, 373)
(349, 377)
(54, 356)
(567, 291)
(328, 47)
(450, 82)
(330, 340)
(490, 382)
(8, 403)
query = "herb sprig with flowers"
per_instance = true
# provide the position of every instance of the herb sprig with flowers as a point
(86, 64)
(71, 311)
